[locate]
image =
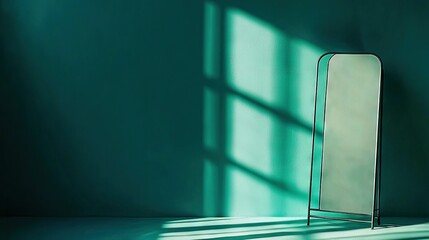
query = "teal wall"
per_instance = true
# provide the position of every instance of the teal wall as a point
(194, 108)
(101, 108)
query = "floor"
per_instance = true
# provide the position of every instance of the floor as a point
(207, 228)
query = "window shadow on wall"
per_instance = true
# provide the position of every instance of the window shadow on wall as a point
(107, 109)
(260, 76)
(258, 114)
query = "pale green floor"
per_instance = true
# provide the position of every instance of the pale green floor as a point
(207, 228)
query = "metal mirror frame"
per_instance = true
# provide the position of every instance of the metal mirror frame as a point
(317, 212)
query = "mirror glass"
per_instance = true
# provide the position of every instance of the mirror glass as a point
(350, 133)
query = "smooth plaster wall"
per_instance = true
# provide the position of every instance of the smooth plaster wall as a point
(102, 104)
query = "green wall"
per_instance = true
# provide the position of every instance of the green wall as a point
(194, 108)
(101, 108)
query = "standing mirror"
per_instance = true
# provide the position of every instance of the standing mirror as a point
(346, 155)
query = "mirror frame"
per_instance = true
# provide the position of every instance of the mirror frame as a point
(320, 105)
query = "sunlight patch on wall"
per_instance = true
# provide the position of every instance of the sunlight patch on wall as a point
(210, 186)
(303, 58)
(253, 161)
(210, 139)
(302, 69)
(211, 40)
(272, 138)
(247, 195)
(249, 132)
(268, 96)
(251, 50)
(210, 119)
